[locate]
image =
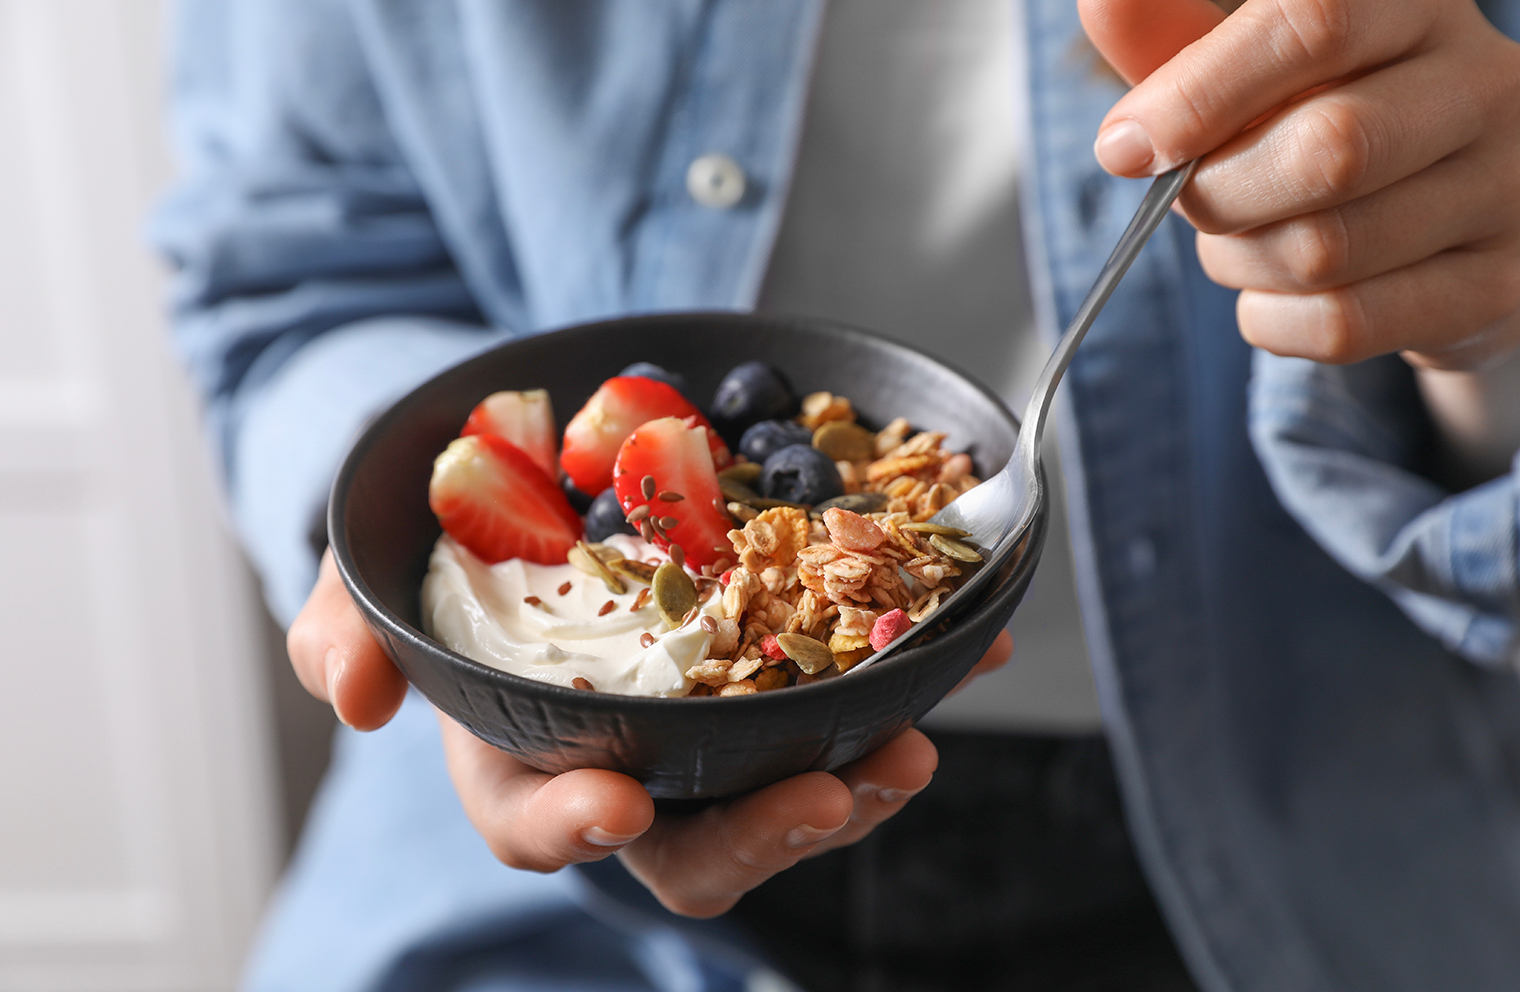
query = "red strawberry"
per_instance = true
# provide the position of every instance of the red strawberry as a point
(526, 419)
(676, 456)
(613, 412)
(495, 500)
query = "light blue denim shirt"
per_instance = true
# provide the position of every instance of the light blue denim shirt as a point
(1324, 788)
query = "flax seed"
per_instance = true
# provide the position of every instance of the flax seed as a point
(581, 683)
(646, 531)
(639, 600)
(646, 639)
(710, 624)
(647, 486)
(564, 590)
(669, 523)
(532, 600)
(671, 496)
(638, 513)
(607, 608)
(677, 555)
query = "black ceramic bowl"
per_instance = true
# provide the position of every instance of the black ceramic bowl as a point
(382, 532)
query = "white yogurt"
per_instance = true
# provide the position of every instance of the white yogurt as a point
(479, 610)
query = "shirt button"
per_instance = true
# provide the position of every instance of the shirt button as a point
(715, 181)
(1142, 558)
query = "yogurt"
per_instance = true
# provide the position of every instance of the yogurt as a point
(486, 613)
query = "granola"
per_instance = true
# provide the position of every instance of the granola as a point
(814, 591)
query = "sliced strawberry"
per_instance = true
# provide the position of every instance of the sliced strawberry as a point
(676, 456)
(721, 456)
(494, 499)
(613, 412)
(526, 419)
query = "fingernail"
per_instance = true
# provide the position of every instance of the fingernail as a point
(605, 838)
(331, 664)
(895, 795)
(807, 835)
(1124, 148)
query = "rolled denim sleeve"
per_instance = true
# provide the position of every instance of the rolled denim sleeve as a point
(312, 283)
(1347, 450)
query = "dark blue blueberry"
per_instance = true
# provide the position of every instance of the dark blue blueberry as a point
(769, 436)
(800, 473)
(606, 517)
(650, 370)
(750, 393)
(579, 501)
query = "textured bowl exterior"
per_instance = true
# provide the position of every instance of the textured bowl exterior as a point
(382, 534)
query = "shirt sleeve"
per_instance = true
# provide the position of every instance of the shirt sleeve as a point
(1348, 450)
(312, 284)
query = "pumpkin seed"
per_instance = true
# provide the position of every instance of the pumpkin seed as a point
(592, 559)
(735, 491)
(745, 473)
(925, 527)
(955, 549)
(844, 441)
(762, 503)
(854, 502)
(741, 512)
(812, 656)
(674, 592)
(629, 568)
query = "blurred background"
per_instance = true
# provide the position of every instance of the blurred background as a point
(155, 752)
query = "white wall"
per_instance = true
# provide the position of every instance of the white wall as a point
(138, 817)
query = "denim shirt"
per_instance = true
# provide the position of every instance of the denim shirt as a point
(1322, 783)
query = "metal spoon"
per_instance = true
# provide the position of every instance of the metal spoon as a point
(997, 514)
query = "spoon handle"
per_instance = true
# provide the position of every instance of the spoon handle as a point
(1152, 209)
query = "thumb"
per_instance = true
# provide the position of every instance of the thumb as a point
(1137, 37)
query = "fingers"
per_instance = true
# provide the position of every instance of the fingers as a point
(1452, 311)
(537, 821)
(1138, 36)
(1265, 54)
(700, 865)
(1341, 144)
(996, 657)
(336, 657)
(882, 782)
(1408, 222)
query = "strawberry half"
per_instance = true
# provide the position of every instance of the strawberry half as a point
(526, 419)
(675, 454)
(594, 435)
(494, 499)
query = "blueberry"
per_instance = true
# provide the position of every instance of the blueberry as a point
(606, 518)
(800, 473)
(649, 370)
(579, 501)
(750, 393)
(769, 436)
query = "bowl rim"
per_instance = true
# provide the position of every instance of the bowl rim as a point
(375, 611)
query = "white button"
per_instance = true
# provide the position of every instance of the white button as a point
(715, 181)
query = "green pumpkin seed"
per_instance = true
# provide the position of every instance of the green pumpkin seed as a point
(735, 491)
(955, 549)
(925, 527)
(762, 503)
(812, 656)
(745, 473)
(638, 571)
(854, 502)
(674, 593)
(844, 441)
(593, 559)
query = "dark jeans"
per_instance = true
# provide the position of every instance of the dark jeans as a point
(1013, 870)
